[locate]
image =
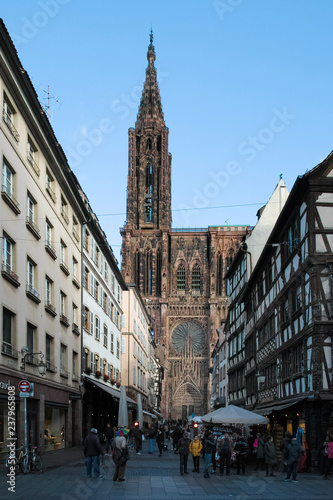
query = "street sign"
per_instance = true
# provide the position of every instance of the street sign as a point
(73, 396)
(24, 394)
(24, 386)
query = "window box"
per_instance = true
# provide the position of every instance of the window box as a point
(98, 374)
(113, 381)
(32, 294)
(50, 250)
(9, 275)
(75, 329)
(64, 267)
(32, 228)
(64, 320)
(76, 282)
(10, 200)
(49, 308)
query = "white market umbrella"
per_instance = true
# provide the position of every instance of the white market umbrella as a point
(139, 416)
(234, 415)
(122, 412)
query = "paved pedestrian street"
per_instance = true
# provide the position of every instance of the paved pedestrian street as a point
(150, 477)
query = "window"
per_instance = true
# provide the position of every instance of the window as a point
(63, 304)
(31, 279)
(134, 375)
(148, 274)
(32, 155)
(97, 328)
(105, 335)
(63, 209)
(196, 281)
(112, 343)
(30, 337)
(48, 290)
(118, 349)
(62, 252)
(123, 346)
(31, 216)
(63, 359)
(86, 278)
(49, 185)
(74, 267)
(8, 114)
(91, 323)
(106, 271)
(48, 351)
(7, 253)
(86, 239)
(7, 190)
(75, 314)
(219, 277)
(75, 229)
(48, 235)
(181, 277)
(8, 319)
(75, 364)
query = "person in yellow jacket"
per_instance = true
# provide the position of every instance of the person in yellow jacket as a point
(195, 449)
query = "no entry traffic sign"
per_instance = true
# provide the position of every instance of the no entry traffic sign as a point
(24, 386)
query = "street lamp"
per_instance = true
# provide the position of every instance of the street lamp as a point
(41, 365)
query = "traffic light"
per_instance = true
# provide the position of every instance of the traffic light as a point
(136, 424)
(195, 425)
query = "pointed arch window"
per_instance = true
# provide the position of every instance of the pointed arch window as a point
(137, 269)
(148, 274)
(219, 274)
(196, 278)
(181, 277)
(149, 178)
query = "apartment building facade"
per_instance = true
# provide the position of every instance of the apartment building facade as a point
(40, 289)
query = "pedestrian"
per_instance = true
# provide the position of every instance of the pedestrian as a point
(120, 457)
(195, 449)
(176, 435)
(284, 449)
(137, 434)
(151, 436)
(270, 456)
(224, 450)
(184, 450)
(323, 456)
(240, 450)
(92, 449)
(294, 455)
(160, 441)
(208, 448)
(260, 451)
(329, 462)
(109, 435)
(213, 461)
(166, 430)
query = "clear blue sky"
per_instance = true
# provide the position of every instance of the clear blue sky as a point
(246, 89)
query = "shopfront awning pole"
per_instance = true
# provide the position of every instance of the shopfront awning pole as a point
(25, 424)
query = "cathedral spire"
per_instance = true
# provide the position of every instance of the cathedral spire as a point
(150, 108)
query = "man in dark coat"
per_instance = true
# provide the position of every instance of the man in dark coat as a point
(208, 450)
(160, 441)
(241, 451)
(294, 455)
(284, 449)
(270, 456)
(137, 433)
(184, 450)
(109, 435)
(176, 435)
(92, 449)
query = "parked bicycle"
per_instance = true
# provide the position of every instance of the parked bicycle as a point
(19, 460)
(35, 460)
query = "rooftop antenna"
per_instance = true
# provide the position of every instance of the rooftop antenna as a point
(50, 98)
(226, 221)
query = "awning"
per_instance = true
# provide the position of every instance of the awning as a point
(110, 390)
(271, 409)
(150, 414)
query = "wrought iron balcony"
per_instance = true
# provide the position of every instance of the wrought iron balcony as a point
(64, 215)
(51, 192)
(32, 293)
(9, 275)
(33, 163)
(64, 320)
(75, 329)
(50, 250)
(76, 282)
(50, 309)
(64, 267)
(8, 121)
(8, 350)
(32, 227)
(8, 197)
(51, 368)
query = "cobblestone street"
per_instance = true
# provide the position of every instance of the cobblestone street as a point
(153, 477)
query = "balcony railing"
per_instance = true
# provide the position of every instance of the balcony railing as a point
(33, 163)
(64, 373)
(8, 121)
(9, 275)
(64, 215)
(64, 267)
(75, 281)
(75, 329)
(8, 197)
(51, 368)
(51, 192)
(32, 293)
(8, 350)
(50, 250)
(33, 228)
(50, 309)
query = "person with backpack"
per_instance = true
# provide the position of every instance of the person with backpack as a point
(225, 449)
(195, 449)
(240, 450)
(184, 450)
(294, 455)
(329, 462)
(120, 457)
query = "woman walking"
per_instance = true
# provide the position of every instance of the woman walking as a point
(195, 449)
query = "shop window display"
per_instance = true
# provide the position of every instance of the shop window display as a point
(54, 433)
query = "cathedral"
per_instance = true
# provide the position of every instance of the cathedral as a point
(179, 272)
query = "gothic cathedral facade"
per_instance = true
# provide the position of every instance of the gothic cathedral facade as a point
(179, 272)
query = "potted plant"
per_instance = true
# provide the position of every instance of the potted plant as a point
(118, 384)
(88, 371)
(98, 374)
(113, 381)
(106, 378)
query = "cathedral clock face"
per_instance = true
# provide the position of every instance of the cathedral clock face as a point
(188, 334)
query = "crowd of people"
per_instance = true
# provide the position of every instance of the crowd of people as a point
(223, 448)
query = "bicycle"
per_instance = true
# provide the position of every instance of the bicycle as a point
(20, 460)
(35, 460)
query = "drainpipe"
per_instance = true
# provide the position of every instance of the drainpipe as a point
(250, 255)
